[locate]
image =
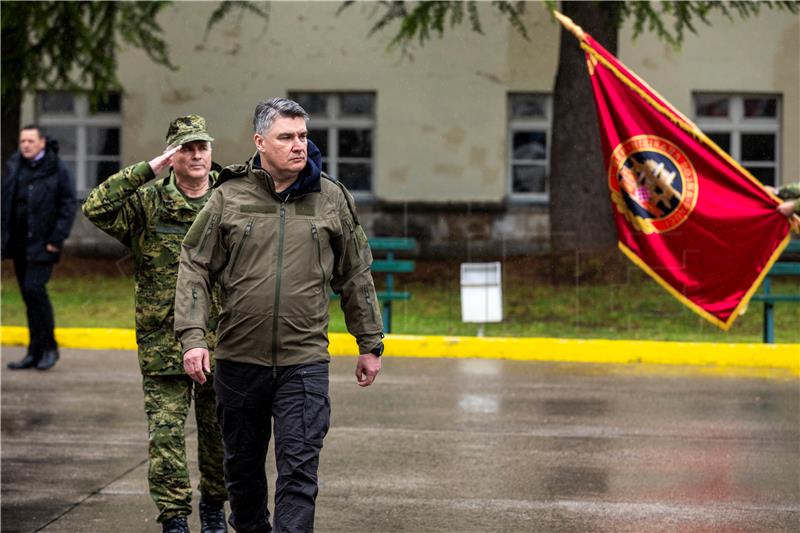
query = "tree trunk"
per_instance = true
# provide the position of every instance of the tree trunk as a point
(580, 207)
(11, 105)
(14, 43)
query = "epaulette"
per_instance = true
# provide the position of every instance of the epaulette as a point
(231, 172)
(351, 203)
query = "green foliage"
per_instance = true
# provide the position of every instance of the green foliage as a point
(420, 19)
(228, 6)
(73, 45)
(669, 20)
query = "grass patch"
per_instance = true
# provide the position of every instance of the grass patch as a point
(636, 308)
(86, 302)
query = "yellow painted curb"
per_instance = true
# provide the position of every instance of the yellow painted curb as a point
(783, 356)
(90, 338)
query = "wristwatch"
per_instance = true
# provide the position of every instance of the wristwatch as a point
(377, 351)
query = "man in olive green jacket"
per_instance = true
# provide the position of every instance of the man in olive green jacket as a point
(152, 219)
(276, 234)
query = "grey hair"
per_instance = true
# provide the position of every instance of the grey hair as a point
(267, 111)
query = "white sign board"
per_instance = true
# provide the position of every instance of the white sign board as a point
(481, 292)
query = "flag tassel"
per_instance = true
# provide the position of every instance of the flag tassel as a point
(573, 28)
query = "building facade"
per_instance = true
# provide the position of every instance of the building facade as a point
(448, 143)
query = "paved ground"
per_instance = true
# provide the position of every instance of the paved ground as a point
(441, 445)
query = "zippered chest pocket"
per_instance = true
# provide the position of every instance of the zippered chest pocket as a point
(240, 246)
(316, 237)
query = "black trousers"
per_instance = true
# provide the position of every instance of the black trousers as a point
(296, 399)
(32, 279)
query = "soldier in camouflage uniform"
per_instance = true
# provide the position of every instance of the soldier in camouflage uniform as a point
(152, 220)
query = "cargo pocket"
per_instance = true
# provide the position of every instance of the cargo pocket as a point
(317, 405)
(231, 415)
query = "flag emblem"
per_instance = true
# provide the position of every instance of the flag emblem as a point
(653, 183)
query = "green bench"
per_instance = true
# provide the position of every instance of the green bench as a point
(387, 247)
(780, 268)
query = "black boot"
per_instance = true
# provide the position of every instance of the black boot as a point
(48, 359)
(212, 517)
(176, 524)
(29, 361)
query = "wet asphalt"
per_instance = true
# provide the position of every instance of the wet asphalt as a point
(441, 445)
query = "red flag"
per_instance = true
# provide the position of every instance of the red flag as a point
(686, 213)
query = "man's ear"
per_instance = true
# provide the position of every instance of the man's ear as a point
(258, 139)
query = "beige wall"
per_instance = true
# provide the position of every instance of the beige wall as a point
(441, 113)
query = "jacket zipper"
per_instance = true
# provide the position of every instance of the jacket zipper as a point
(315, 236)
(241, 244)
(207, 233)
(369, 303)
(276, 306)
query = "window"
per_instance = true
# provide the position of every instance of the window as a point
(747, 127)
(529, 145)
(342, 125)
(89, 142)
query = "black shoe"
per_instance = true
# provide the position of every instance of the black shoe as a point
(177, 524)
(29, 361)
(47, 360)
(212, 517)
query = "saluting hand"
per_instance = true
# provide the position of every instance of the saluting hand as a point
(196, 362)
(164, 160)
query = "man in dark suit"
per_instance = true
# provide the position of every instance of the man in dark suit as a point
(38, 207)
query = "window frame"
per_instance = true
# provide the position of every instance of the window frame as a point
(333, 122)
(515, 125)
(81, 119)
(736, 125)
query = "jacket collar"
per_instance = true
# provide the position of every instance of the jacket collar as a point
(172, 195)
(43, 165)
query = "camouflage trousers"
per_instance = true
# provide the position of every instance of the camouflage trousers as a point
(167, 400)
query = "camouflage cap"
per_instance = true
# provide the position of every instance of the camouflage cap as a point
(186, 129)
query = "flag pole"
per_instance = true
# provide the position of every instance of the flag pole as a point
(573, 28)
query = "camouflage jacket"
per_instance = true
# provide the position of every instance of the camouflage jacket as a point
(151, 220)
(791, 191)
